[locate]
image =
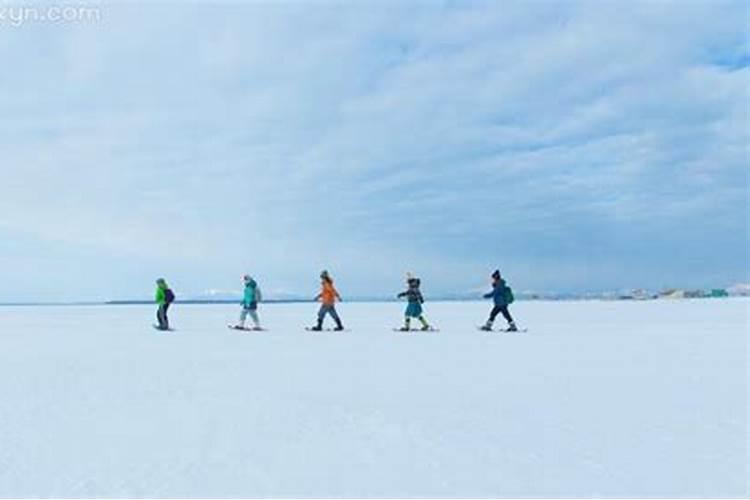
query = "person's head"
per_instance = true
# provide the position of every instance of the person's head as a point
(161, 283)
(412, 280)
(246, 279)
(496, 275)
(325, 276)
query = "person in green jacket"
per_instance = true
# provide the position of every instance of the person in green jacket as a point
(250, 299)
(164, 298)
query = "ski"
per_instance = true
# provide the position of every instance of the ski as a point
(157, 327)
(313, 330)
(416, 330)
(246, 329)
(502, 330)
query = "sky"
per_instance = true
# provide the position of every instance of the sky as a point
(573, 145)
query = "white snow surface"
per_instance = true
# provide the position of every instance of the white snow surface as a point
(597, 399)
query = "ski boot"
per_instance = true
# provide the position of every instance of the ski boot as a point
(486, 328)
(511, 327)
(339, 327)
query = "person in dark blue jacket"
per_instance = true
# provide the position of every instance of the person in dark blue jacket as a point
(502, 296)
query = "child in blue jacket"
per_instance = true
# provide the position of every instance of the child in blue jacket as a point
(502, 296)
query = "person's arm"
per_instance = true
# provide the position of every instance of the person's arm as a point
(258, 295)
(336, 292)
(402, 294)
(160, 296)
(420, 298)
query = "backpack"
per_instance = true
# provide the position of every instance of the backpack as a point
(508, 294)
(168, 296)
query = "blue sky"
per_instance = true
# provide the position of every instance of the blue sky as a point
(575, 145)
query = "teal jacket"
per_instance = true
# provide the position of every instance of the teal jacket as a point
(252, 295)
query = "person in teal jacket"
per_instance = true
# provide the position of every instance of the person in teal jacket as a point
(250, 299)
(164, 298)
(414, 308)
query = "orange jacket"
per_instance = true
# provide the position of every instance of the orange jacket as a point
(328, 293)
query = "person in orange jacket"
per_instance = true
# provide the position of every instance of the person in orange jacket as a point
(327, 296)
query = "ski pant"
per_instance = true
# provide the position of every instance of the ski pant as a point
(500, 309)
(253, 315)
(328, 309)
(161, 316)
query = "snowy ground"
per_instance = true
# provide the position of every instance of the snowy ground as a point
(598, 399)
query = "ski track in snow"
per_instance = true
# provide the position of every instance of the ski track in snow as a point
(597, 399)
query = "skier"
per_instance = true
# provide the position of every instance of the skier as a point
(503, 297)
(414, 308)
(250, 301)
(164, 298)
(327, 296)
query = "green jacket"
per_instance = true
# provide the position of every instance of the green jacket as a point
(161, 297)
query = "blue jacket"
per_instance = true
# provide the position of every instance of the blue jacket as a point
(252, 295)
(498, 293)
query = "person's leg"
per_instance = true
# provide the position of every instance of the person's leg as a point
(425, 325)
(321, 315)
(493, 314)
(243, 318)
(254, 316)
(159, 318)
(407, 318)
(508, 317)
(166, 318)
(407, 323)
(336, 318)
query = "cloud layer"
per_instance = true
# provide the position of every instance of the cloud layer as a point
(575, 145)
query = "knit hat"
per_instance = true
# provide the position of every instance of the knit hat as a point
(496, 274)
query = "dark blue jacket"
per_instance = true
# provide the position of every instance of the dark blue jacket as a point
(413, 294)
(498, 293)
